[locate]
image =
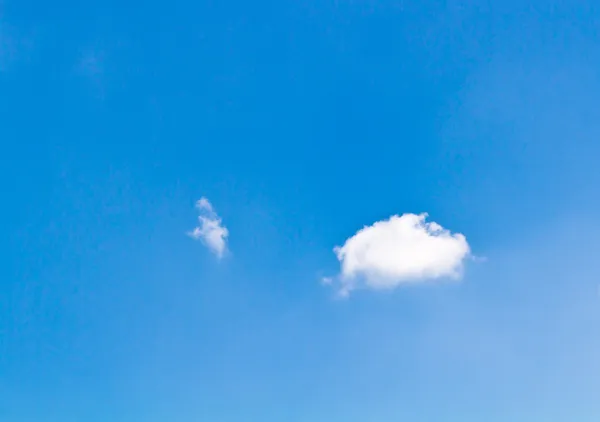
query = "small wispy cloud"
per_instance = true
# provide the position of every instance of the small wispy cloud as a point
(401, 249)
(5, 50)
(15, 45)
(91, 66)
(211, 230)
(91, 63)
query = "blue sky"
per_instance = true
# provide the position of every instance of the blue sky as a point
(301, 123)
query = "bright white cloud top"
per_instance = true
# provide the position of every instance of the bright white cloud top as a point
(211, 230)
(401, 249)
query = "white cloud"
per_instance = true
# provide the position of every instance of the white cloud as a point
(211, 230)
(401, 249)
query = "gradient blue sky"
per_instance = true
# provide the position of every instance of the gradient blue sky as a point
(301, 121)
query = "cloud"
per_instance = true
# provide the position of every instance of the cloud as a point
(14, 45)
(401, 249)
(91, 63)
(211, 230)
(91, 68)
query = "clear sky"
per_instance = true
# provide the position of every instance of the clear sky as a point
(299, 123)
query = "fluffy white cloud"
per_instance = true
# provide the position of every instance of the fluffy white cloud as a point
(211, 230)
(399, 250)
